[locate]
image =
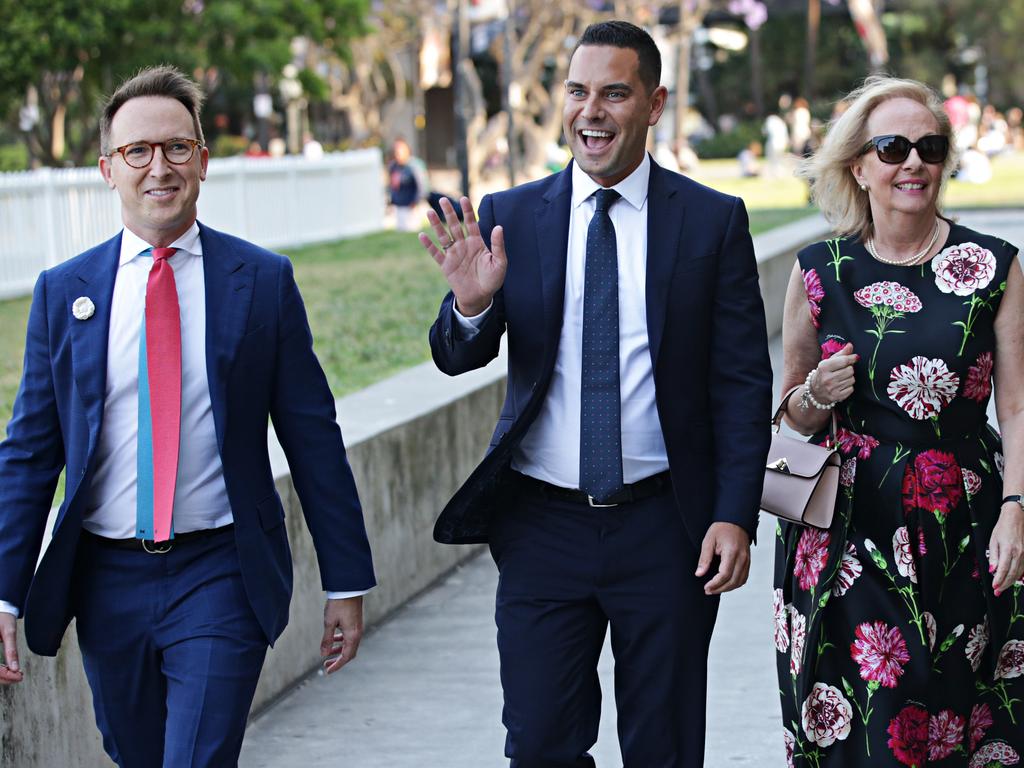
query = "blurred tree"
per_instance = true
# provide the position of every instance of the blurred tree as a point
(971, 39)
(74, 52)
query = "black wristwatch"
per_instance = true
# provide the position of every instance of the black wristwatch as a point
(1017, 499)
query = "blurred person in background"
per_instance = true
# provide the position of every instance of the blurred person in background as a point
(406, 185)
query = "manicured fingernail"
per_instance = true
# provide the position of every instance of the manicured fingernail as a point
(998, 592)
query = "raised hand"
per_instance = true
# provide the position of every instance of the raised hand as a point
(473, 273)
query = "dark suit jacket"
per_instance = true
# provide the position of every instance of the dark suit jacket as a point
(705, 325)
(260, 363)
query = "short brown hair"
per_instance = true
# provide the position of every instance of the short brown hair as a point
(163, 80)
(622, 34)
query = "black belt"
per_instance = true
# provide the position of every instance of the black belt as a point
(158, 547)
(641, 489)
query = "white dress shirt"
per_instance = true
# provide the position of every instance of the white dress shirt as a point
(550, 450)
(200, 495)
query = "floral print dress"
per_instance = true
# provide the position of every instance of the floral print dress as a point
(892, 648)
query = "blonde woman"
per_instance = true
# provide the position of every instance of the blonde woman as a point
(900, 630)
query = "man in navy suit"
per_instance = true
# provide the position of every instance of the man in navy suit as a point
(173, 628)
(623, 480)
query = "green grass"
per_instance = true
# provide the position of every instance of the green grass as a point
(370, 302)
(763, 219)
(1004, 190)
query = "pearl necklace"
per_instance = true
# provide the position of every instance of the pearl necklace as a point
(870, 245)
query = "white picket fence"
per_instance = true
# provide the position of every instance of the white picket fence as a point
(48, 216)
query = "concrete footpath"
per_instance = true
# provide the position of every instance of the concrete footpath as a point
(424, 692)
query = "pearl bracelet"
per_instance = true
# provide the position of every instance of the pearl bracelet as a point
(810, 397)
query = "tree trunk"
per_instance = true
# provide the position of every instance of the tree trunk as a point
(811, 50)
(756, 81)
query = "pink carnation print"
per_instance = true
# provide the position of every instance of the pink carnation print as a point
(981, 721)
(994, 753)
(881, 652)
(945, 733)
(972, 482)
(888, 302)
(781, 622)
(815, 293)
(903, 554)
(826, 715)
(908, 735)
(888, 294)
(849, 569)
(790, 739)
(848, 472)
(798, 633)
(978, 384)
(923, 387)
(850, 442)
(934, 483)
(1011, 660)
(963, 269)
(933, 629)
(811, 556)
(831, 347)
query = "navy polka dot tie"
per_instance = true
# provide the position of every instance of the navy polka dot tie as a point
(600, 428)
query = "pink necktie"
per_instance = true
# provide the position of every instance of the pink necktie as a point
(163, 362)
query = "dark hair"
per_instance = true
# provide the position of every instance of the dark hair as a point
(165, 81)
(622, 34)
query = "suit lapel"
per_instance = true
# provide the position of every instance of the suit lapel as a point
(665, 219)
(229, 283)
(93, 279)
(552, 221)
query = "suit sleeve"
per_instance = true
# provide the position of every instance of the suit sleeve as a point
(454, 355)
(31, 459)
(740, 379)
(304, 418)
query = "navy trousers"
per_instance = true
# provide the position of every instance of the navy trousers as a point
(567, 572)
(172, 651)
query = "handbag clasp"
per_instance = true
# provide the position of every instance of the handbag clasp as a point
(782, 465)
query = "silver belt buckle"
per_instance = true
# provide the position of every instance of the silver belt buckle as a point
(159, 547)
(591, 502)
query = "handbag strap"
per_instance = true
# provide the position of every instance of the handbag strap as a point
(777, 418)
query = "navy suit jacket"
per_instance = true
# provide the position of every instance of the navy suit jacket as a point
(260, 363)
(705, 326)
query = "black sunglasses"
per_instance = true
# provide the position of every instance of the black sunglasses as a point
(893, 149)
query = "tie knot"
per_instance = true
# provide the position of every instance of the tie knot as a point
(163, 253)
(605, 198)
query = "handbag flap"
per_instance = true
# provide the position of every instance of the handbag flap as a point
(790, 456)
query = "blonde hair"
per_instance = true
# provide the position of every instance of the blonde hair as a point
(833, 187)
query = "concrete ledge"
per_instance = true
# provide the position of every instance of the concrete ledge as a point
(776, 253)
(411, 439)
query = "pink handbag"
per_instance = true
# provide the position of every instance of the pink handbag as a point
(801, 480)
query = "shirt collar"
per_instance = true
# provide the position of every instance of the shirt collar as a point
(132, 245)
(633, 188)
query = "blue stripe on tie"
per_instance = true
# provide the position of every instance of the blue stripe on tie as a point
(144, 483)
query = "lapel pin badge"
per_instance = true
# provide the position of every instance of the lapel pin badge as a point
(83, 308)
